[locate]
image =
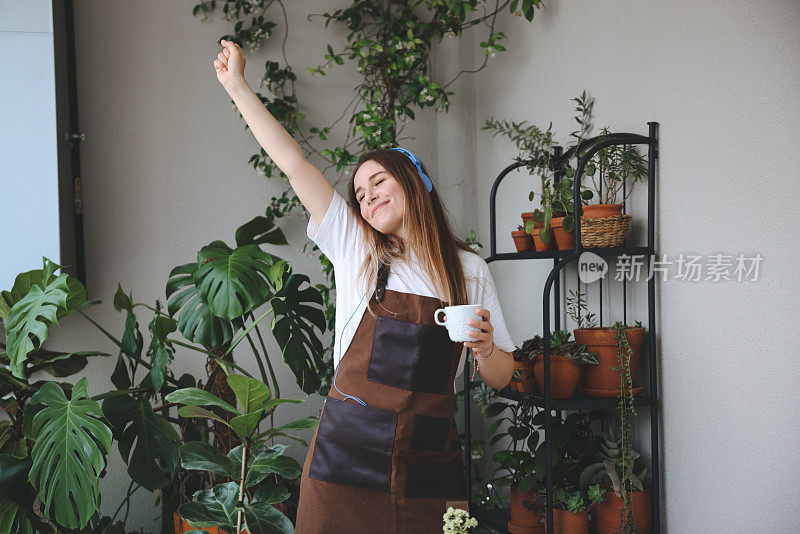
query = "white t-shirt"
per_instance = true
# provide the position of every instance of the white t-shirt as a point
(339, 238)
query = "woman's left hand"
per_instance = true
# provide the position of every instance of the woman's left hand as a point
(484, 340)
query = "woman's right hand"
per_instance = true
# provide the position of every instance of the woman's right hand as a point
(229, 63)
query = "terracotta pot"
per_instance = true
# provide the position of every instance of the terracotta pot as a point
(564, 240)
(522, 240)
(537, 240)
(601, 210)
(527, 381)
(606, 514)
(528, 216)
(521, 519)
(566, 522)
(602, 380)
(564, 375)
(180, 525)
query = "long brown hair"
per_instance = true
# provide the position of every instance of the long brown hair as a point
(428, 228)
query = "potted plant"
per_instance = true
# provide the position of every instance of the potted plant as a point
(535, 229)
(618, 349)
(626, 506)
(574, 447)
(253, 465)
(516, 466)
(536, 147)
(522, 379)
(522, 239)
(619, 166)
(566, 359)
(571, 508)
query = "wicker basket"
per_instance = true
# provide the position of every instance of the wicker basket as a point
(603, 232)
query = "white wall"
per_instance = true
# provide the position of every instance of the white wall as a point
(165, 172)
(722, 80)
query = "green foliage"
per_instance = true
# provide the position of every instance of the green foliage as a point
(560, 344)
(255, 458)
(146, 441)
(578, 311)
(30, 317)
(619, 166)
(536, 153)
(69, 453)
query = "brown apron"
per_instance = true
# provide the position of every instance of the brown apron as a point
(390, 466)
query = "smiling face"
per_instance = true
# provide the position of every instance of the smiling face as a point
(380, 197)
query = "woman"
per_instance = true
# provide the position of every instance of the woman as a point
(386, 456)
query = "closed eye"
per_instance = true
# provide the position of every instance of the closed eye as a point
(376, 183)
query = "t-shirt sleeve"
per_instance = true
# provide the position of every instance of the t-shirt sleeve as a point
(337, 232)
(485, 293)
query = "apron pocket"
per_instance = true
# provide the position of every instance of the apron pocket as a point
(354, 446)
(411, 356)
(430, 433)
(434, 480)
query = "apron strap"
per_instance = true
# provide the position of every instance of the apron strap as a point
(383, 276)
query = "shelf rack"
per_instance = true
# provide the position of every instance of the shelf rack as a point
(498, 519)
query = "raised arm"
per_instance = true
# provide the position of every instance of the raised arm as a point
(308, 183)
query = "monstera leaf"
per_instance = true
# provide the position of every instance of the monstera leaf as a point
(69, 453)
(233, 282)
(260, 230)
(196, 322)
(146, 441)
(24, 281)
(293, 328)
(30, 317)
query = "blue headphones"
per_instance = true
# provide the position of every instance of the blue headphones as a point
(415, 160)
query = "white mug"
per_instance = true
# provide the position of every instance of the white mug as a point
(457, 321)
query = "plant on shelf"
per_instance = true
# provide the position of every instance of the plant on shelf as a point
(626, 508)
(536, 154)
(523, 240)
(515, 466)
(566, 360)
(603, 224)
(522, 378)
(571, 507)
(619, 166)
(574, 446)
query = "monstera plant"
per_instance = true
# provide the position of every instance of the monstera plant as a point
(44, 489)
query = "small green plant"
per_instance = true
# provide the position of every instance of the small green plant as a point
(618, 467)
(627, 410)
(560, 343)
(458, 521)
(619, 165)
(472, 242)
(573, 499)
(578, 311)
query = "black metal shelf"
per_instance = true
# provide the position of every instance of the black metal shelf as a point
(577, 402)
(498, 519)
(550, 254)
